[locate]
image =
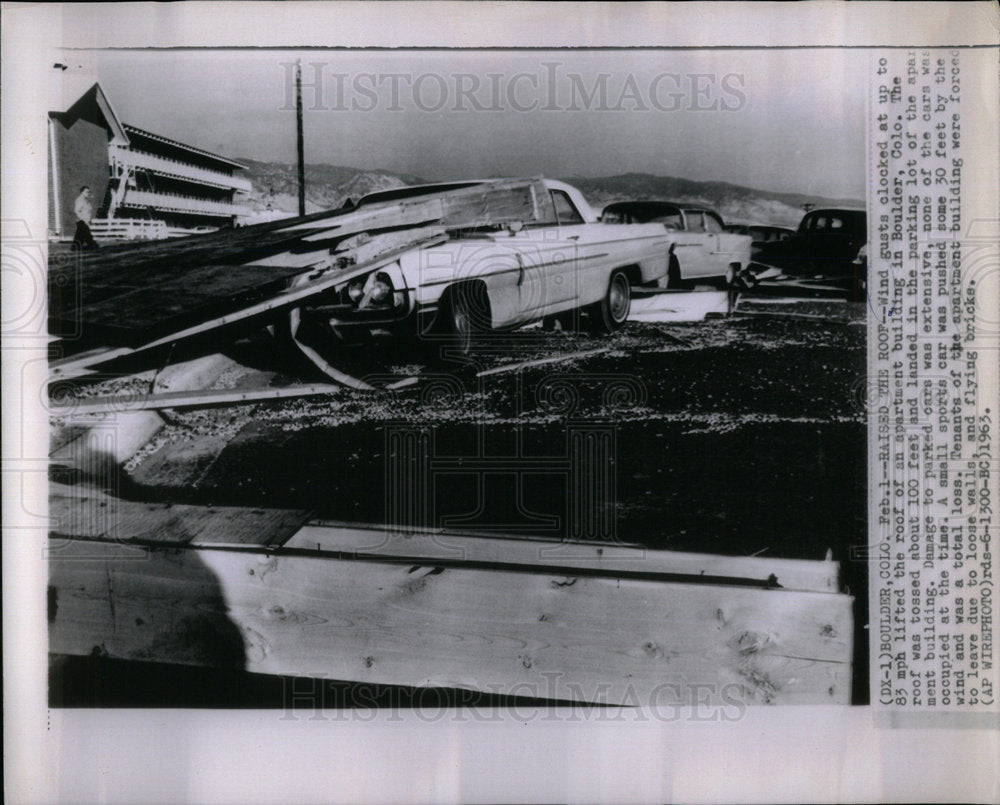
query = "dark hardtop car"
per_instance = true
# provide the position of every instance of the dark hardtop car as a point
(825, 244)
(762, 234)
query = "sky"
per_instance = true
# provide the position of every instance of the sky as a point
(783, 120)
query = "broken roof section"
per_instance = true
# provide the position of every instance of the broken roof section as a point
(137, 297)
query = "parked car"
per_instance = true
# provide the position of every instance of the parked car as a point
(702, 248)
(763, 235)
(826, 244)
(505, 276)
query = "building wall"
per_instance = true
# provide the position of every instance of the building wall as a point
(81, 152)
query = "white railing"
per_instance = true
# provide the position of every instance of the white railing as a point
(126, 158)
(136, 229)
(176, 203)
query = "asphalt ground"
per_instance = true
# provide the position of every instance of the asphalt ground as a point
(740, 435)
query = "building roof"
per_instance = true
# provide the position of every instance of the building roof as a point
(78, 90)
(74, 99)
(201, 152)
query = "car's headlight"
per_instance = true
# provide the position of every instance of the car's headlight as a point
(862, 257)
(384, 288)
(381, 288)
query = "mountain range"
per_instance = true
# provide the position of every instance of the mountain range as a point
(275, 188)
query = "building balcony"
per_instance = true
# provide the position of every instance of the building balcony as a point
(168, 202)
(125, 157)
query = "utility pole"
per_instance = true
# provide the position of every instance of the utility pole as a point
(298, 138)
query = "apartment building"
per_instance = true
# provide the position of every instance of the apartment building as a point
(143, 184)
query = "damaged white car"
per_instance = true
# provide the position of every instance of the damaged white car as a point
(470, 257)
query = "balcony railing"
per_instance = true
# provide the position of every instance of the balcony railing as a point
(175, 203)
(127, 157)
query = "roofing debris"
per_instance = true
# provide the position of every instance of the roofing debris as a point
(130, 299)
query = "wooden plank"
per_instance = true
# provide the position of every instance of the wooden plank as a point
(281, 301)
(188, 399)
(427, 546)
(168, 304)
(97, 277)
(493, 201)
(555, 637)
(412, 214)
(90, 515)
(78, 365)
(750, 301)
(514, 367)
(124, 260)
(93, 515)
(672, 306)
(781, 314)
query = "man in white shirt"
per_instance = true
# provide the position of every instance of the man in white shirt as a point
(84, 209)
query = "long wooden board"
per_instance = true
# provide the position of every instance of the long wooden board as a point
(188, 399)
(89, 514)
(85, 517)
(347, 539)
(677, 306)
(518, 633)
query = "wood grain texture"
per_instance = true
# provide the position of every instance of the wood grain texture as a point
(527, 634)
(353, 539)
(78, 515)
(92, 515)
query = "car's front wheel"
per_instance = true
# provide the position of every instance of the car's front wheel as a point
(611, 312)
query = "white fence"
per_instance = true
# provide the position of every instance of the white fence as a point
(137, 229)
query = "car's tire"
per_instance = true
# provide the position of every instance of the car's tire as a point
(611, 312)
(673, 274)
(467, 314)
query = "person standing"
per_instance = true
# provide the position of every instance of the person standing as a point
(84, 209)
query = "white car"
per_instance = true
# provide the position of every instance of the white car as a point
(496, 277)
(703, 249)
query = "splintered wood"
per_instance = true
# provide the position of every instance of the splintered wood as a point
(136, 295)
(550, 620)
